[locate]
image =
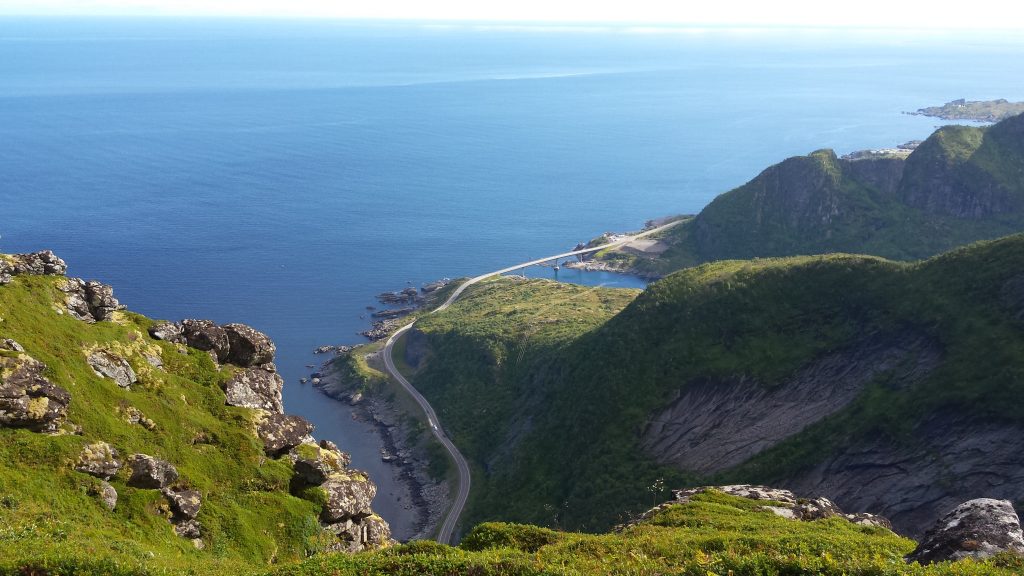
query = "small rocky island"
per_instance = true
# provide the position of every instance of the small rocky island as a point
(975, 110)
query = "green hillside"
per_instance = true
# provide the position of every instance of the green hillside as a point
(560, 428)
(961, 185)
(53, 519)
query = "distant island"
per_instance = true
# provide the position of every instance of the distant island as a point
(977, 110)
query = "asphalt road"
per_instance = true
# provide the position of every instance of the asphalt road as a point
(444, 535)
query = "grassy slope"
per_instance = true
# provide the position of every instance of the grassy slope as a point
(46, 512)
(759, 219)
(714, 534)
(579, 466)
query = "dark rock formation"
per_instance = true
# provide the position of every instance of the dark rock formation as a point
(975, 529)
(248, 346)
(150, 472)
(109, 365)
(29, 400)
(314, 464)
(714, 425)
(282, 432)
(915, 479)
(99, 459)
(90, 301)
(255, 388)
(348, 497)
(40, 263)
(167, 331)
(184, 504)
(190, 529)
(207, 336)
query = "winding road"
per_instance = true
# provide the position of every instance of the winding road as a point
(444, 535)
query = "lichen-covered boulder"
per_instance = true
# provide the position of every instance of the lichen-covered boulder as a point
(376, 532)
(248, 346)
(11, 345)
(314, 464)
(150, 472)
(27, 398)
(99, 459)
(184, 504)
(208, 336)
(42, 263)
(255, 388)
(106, 493)
(282, 432)
(109, 365)
(190, 529)
(90, 301)
(348, 497)
(975, 529)
(867, 519)
(167, 331)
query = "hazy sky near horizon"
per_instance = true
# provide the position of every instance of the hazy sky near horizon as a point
(863, 13)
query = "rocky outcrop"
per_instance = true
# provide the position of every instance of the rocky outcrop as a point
(99, 459)
(42, 263)
(109, 365)
(248, 346)
(917, 478)
(90, 301)
(167, 331)
(27, 398)
(282, 432)
(11, 345)
(348, 497)
(716, 424)
(207, 336)
(367, 533)
(255, 388)
(184, 503)
(975, 529)
(314, 464)
(150, 472)
(778, 501)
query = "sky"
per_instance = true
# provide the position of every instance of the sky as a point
(937, 14)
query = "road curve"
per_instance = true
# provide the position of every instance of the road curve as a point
(444, 535)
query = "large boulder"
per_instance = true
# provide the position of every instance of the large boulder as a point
(168, 331)
(29, 400)
(314, 464)
(106, 493)
(975, 529)
(150, 472)
(90, 301)
(11, 345)
(248, 346)
(185, 504)
(348, 497)
(255, 388)
(282, 432)
(40, 263)
(208, 336)
(99, 459)
(109, 365)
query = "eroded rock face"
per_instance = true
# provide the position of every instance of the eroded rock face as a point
(315, 464)
(99, 459)
(255, 388)
(27, 398)
(109, 365)
(282, 432)
(41, 263)
(208, 336)
(150, 472)
(248, 346)
(975, 529)
(348, 498)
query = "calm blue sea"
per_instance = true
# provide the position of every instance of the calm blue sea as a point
(282, 173)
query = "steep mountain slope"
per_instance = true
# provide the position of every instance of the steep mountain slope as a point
(960, 185)
(131, 445)
(889, 386)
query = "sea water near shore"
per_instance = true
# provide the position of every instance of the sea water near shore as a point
(283, 173)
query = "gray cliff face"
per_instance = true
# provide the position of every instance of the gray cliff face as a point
(717, 424)
(913, 482)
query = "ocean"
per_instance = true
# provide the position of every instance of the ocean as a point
(282, 173)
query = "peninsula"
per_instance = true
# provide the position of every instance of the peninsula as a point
(975, 110)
